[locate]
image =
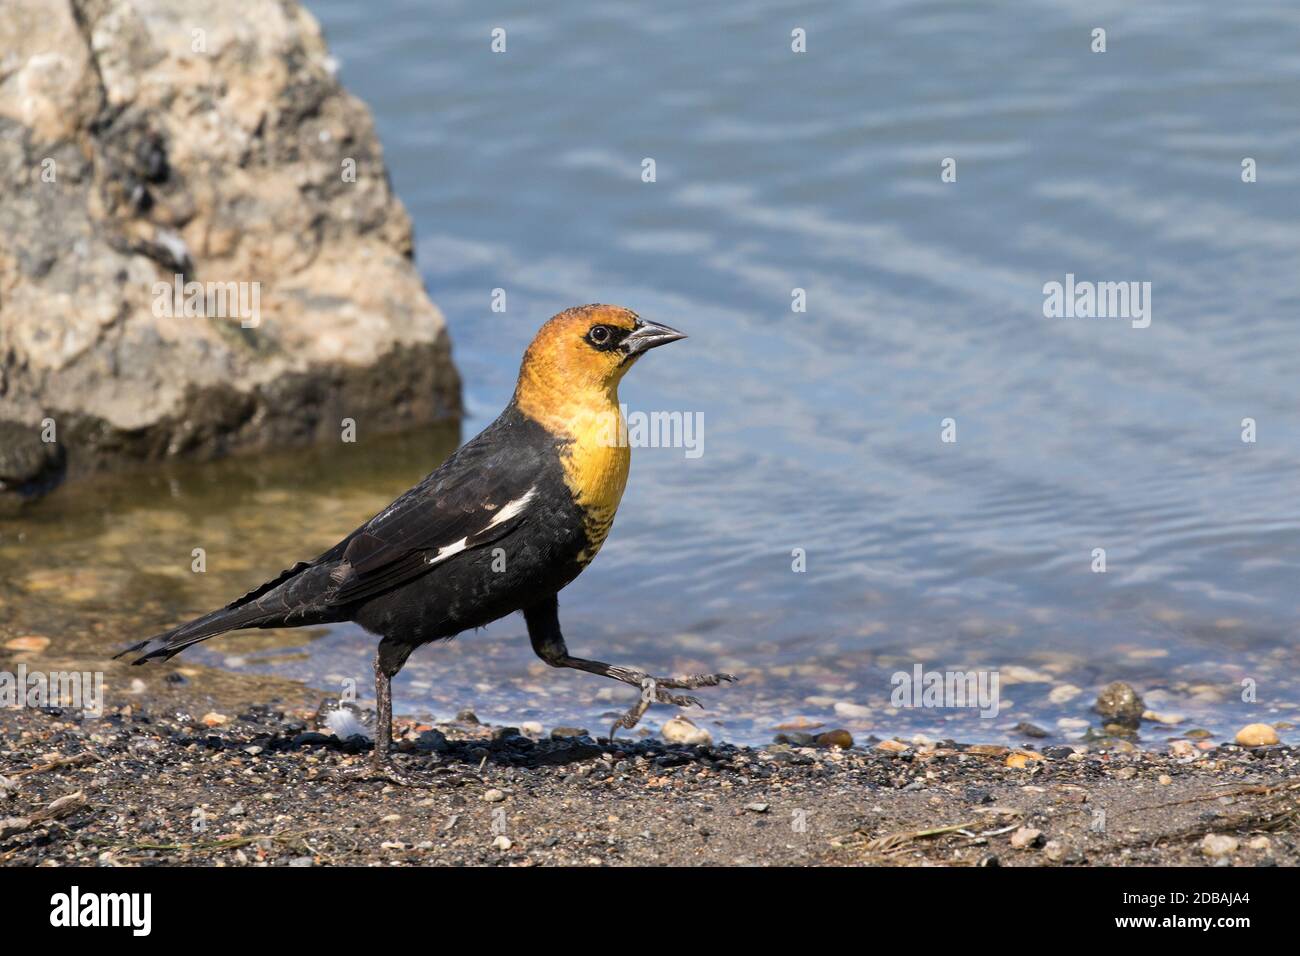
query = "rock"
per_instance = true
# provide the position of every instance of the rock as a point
(1182, 748)
(1064, 693)
(756, 807)
(1167, 719)
(531, 727)
(679, 730)
(29, 465)
(466, 716)
(130, 159)
(1218, 844)
(213, 719)
(846, 709)
(896, 746)
(502, 842)
(1059, 752)
(1020, 759)
(1058, 852)
(1030, 730)
(1164, 780)
(1257, 735)
(432, 741)
(560, 733)
(835, 738)
(493, 796)
(1120, 704)
(1026, 837)
(796, 739)
(1259, 843)
(799, 723)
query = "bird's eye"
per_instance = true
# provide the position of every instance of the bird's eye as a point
(599, 334)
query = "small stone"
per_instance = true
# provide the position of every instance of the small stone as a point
(1257, 735)
(493, 796)
(1198, 733)
(467, 716)
(391, 818)
(835, 738)
(531, 727)
(432, 741)
(302, 861)
(896, 746)
(252, 750)
(1020, 759)
(1218, 844)
(1182, 748)
(502, 842)
(1259, 843)
(1056, 851)
(679, 730)
(1166, 719)
(846, 709)
(799, 723)
(1120, 703)
(1164, 780)
(1026, 837)
(756, 807)
(213, 719)
(1064, 693)
(1030, 730)
(559, 733)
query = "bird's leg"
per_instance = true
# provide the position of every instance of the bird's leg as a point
(381, 767)
(548, 643)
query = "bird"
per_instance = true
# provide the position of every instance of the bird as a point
(502, 526)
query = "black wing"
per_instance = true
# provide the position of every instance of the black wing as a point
(478, 496)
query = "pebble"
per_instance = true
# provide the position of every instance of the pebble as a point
(1167, 719)
(846, 709)
(1020, 759)
(302, 861)
(559, 733)
(1064, 693)
(1056, 851)
(1182, 748)
(502, 842)
(1030, 730)
(1257, 735)
(1120, 703)
(835, 738)
(532, 728)
(493, 796)
(213, 719)
(1164, 780)
(897, 746)
(679, 730)
(1218, 844)
(756, 807)
(1259, 843)
(1026, 837)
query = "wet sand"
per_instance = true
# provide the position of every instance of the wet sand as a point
(197, 766)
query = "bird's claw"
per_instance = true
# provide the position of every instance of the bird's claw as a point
(652, 691)
(370, 772)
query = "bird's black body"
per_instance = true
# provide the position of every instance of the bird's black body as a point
(380, 575)
(502, 525)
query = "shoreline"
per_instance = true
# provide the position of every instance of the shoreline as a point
(198, 767)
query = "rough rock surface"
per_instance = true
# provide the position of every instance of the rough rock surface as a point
(142, 139)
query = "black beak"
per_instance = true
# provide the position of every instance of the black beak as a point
(649, 335)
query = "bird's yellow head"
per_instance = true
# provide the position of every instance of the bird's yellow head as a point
(579, 356)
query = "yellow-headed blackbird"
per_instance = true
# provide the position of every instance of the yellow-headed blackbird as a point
(541, 483)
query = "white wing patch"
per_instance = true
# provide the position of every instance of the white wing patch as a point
(505, 514)
(513, 508)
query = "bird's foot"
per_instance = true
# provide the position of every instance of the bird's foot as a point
(378, 771)
(652, 691)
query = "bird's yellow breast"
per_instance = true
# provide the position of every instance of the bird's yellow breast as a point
(591, 441)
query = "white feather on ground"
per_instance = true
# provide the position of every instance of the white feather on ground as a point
(344, 724)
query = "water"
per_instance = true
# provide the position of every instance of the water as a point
(820, 171)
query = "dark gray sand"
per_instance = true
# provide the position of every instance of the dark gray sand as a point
(192, 766)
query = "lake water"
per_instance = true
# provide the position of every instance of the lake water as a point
(823, 430)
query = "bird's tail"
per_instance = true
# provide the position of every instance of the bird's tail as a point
(170, 643)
